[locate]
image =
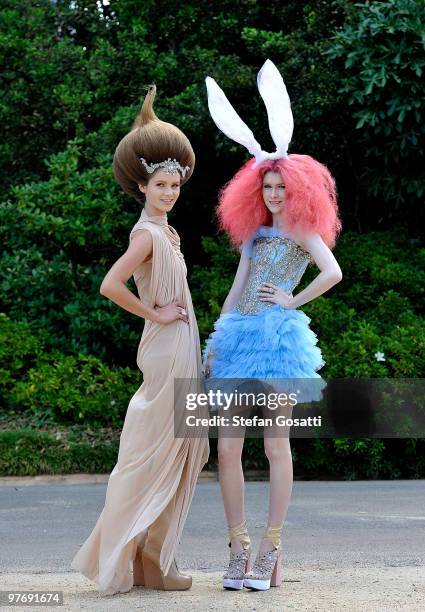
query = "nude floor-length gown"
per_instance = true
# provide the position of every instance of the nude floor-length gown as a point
(153, 482)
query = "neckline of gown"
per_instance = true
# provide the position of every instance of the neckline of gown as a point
(158, 219)
(271, 231)
(168, 230)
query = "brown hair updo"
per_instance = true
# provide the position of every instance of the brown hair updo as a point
(155, 141)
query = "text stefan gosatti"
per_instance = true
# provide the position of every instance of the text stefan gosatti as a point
(254, 421)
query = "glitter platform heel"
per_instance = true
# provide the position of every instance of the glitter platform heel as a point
(240, 562)
(267, 568)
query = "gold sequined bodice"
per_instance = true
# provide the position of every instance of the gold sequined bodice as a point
(278, 260)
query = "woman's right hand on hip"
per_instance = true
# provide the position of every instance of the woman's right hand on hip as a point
(171, 312)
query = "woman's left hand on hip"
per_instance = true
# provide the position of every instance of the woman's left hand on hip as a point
(267, 292)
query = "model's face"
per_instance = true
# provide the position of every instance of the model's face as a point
(273, 191)
(162, 190)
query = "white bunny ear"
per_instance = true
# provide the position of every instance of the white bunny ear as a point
(228, 121)
(273, 91)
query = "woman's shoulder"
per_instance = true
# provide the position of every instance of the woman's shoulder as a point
(247, 244)
(153, 229)
(305, 237)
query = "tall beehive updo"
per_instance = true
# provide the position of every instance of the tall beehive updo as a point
(155, 141)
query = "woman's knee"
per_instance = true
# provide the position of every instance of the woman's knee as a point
(277, 449)
(229, 450)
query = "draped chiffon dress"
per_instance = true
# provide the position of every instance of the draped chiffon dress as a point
(154, 479)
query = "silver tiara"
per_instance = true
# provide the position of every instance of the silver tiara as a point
(169, 165)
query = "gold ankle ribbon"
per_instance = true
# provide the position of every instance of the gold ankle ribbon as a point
(273, 534)
(240, 533)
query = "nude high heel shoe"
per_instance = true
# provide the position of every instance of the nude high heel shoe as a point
(267, 568)
(240, 562)
(154, 578)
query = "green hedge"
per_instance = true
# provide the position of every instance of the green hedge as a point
(377, 308)
(25, 451)
(29, 453)
(56, 388)
(347, 459)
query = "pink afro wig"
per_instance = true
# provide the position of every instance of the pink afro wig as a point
(310, 199)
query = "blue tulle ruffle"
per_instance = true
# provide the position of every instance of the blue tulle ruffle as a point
(275, 343)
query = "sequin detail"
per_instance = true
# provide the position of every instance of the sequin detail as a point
(278, 260)
(264, 565)
(237, 565)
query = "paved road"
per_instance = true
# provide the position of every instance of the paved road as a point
(328, 524)
(361, 532)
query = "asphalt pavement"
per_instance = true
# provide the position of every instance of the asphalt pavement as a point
(364, 529)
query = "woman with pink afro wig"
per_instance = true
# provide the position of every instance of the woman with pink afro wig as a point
(281, 211)
(310, 199)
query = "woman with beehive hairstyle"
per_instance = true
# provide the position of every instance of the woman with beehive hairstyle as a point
(152, 484)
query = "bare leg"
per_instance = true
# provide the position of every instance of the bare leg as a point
(232, 481)
(278, 451)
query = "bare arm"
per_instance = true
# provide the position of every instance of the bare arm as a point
(330, 272)
(239, 282)
(114, 284)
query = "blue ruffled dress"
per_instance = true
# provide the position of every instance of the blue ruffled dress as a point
(261, 340)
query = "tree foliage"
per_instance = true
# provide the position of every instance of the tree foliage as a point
(72, 78)
(382, 46)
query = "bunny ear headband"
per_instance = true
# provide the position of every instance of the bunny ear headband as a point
(281, 123)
